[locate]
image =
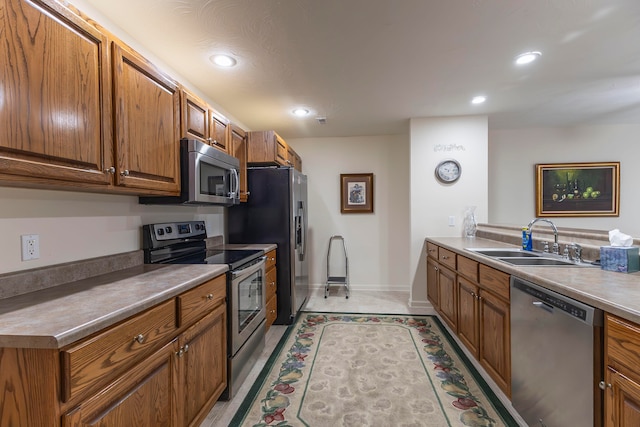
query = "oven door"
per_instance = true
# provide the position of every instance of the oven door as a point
(248, 300)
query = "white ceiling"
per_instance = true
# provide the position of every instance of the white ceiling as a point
(369, 66)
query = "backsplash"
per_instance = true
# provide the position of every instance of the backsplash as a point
(590, 240)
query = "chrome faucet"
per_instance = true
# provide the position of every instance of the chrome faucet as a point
(556, 247)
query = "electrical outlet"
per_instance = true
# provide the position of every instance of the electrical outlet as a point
(30, 246)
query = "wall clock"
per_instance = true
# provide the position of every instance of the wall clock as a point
(448, 171)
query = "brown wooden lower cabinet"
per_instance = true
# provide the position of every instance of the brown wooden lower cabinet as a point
(495, 339)
(144, 371)
(622, 377)
(271, 278)
(448, 297)
(204, 364)
(473, 300)
(144, 397)
(432, 283)
(468, 315)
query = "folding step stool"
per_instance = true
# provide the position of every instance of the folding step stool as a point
(334, 278)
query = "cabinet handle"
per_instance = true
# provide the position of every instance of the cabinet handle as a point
(603, 385)
(186, 348)
(435, 268)
(445, 257)
(209, 297)
(125, 172)
(473, 294)
(179, 353)
(139, 338)
(111, 170)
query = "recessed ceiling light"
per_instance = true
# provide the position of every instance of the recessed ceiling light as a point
(527, 57)
(224, 60)
(300, 112)
(478, 99)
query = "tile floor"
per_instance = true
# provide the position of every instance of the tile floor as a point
(384, 302)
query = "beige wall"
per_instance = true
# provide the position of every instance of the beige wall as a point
(432, 203)
(376, 243)
(74, 226)
(514, 153)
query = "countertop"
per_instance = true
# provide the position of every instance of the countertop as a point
(60, 315)
(616, 293)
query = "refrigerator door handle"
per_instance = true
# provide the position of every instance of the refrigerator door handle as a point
(303, 231)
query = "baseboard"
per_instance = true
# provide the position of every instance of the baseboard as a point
(377, 288)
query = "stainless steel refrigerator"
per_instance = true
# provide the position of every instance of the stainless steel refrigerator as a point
(276, 212)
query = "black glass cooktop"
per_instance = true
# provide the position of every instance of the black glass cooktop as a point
(233, 258)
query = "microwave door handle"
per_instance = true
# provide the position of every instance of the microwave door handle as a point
(235, 187)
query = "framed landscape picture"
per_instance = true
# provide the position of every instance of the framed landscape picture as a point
(356, 193)
(578, 189)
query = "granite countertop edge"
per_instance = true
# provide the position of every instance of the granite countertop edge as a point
(55, 317)
(615, 293)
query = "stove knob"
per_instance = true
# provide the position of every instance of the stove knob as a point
(168, 229)
(160, 232)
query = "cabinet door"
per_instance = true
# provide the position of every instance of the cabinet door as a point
(195, 118)
(142, 397)
(204, 360)
(448, 297)
(56, 120)
(468, 314)
(147, 124)
(239, 151)
(432, 283)
(495, 341)
(218, 132)
(625, 408)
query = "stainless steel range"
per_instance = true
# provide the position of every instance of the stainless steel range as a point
(184, 243)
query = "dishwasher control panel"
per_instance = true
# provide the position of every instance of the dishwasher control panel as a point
(553, 300)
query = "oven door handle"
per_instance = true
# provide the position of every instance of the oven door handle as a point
(249, 270)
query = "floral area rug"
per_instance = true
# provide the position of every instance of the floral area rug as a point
(369, 370)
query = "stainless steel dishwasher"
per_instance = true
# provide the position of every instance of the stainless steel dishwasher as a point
(555, 347)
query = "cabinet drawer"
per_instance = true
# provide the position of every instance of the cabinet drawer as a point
(468, 268)
(107, 354)
(271, 259)
(622, 343)
(197, 302)
(432, 250)
(447, 257)
(272, 310)
(494, 280)
(271, 280)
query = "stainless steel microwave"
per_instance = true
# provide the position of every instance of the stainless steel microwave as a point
(207, 177)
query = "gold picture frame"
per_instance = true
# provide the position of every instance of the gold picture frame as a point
(578, 189)
(356, 193)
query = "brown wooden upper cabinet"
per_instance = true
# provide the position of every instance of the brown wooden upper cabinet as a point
(195, 117)
(201, 122)
(52, 128)
(219, 131)
(147, 124)
(267, 148)
(106, 126)
(238, 149)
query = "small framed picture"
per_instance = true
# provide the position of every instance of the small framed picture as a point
(356, 193)
(578, 189)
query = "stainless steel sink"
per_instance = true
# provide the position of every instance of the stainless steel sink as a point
(517, 256)
(540, 261)
(504, 252)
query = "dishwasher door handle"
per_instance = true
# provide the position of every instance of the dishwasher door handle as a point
(543, 306)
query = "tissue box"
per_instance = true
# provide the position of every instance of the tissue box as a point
(625, 259)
